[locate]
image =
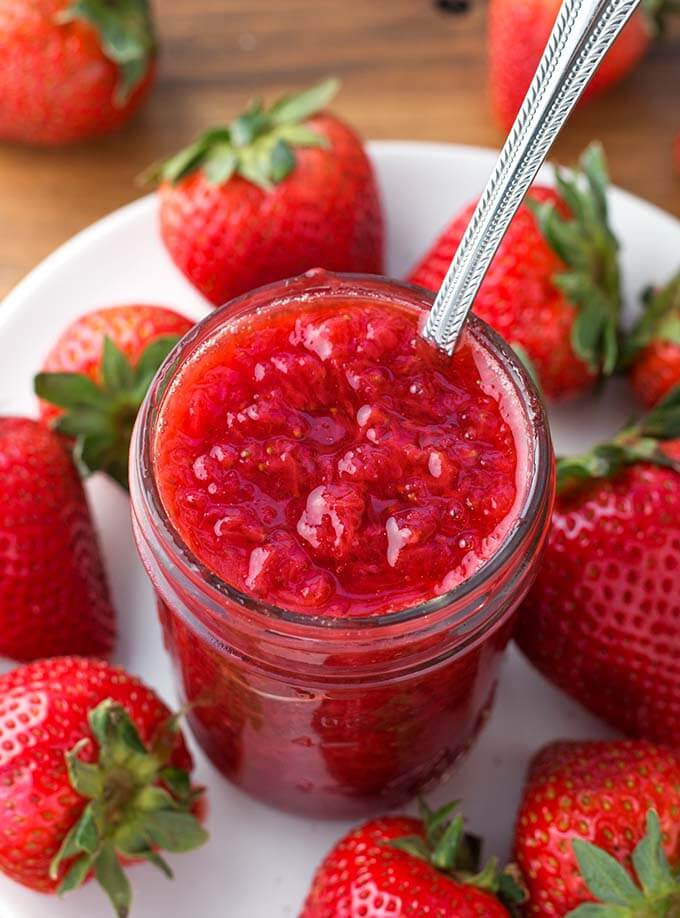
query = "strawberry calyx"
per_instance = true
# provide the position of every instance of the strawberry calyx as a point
(656, 893)
(660, 320)
(259, 145)
(450, 850)
(586, 244)
(138, 804)
(126, 34)
(100, 416)
(641, 441)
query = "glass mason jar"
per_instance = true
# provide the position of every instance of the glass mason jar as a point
(328, 716)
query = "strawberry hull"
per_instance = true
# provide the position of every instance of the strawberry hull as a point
(337, 635)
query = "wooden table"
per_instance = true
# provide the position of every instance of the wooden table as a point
(409, 71)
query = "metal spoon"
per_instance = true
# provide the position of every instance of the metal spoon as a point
(583, 33)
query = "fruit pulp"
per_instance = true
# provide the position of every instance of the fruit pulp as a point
(329, 460)
(322, 458)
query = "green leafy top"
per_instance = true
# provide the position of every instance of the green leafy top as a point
(138, 804)
(258, 145)
(657, 11)
(100, 417)
(638, 442)
(126, 33)
(660, 320)
(656, 894)
(586, 244)
(449, 849)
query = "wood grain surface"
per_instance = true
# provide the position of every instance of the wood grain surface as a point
(409, 70)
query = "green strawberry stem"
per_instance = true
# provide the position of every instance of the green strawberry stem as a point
(656, 893)
(640, 441)
(660, 320)
(259, 145)
(100, 417)
(450, 850)
(586, 244)
(126, 34)
(138, 804)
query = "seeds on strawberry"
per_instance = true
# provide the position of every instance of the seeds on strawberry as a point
(279, 191)
(54, 597)
(72, 70)
(553, 289)
(597, 822)
(602, 620)
(94, 765)
(96, 376)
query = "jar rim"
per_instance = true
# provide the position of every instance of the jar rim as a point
(146, 497)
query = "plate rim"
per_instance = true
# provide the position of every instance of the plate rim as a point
(117, 218)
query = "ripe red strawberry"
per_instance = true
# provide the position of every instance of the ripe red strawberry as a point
(553, 288)
(72, 69)
(96, 376)
(602, 620)
(597, 821)
(653, 350)
(94, 774)
(518, 33)
(399, 866)
(54, 598)
(277, 192)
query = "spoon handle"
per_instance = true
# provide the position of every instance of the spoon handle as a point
(583, 33)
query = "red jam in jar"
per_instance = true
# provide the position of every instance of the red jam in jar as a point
(339, 521)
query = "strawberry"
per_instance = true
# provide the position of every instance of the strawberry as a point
(602, 620)
(518, 33)
(597, 821)
(277, 192)
(553, 288)
(399, 866)
(54, 597)
(72, 69)
(653, 350)
(96, 376)
(94, 774)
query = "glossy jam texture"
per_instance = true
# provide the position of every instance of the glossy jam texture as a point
(326, 459)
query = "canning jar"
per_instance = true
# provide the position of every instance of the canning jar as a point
(330, 715)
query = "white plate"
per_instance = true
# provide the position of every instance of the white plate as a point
(259, 862)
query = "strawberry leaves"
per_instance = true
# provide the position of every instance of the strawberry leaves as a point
(638, 442)
(448, 848)
(660, 320)
(133, 808)
(656, 13)
(126, 35)
(586, 244)
(100, 417)
(657, 892)
(258, 145)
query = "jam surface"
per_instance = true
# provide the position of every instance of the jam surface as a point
(326, 459)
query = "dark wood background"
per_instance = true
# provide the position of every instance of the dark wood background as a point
(409, 71)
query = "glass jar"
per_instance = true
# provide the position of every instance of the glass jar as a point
(328, 716)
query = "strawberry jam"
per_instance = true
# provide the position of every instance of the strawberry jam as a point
(329, 460)
(340, 522)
